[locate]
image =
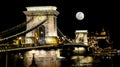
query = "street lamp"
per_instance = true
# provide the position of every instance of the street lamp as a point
(20, 41)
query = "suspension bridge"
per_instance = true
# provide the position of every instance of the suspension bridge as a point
(41, 32)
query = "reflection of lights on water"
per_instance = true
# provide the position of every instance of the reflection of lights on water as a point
(20, 55)
(32, 51)
(43, 53)
(87, 60)
(83, 59)
(43, 58)
(90, 59)
(118, 51)
(107, 57)
(52, 52)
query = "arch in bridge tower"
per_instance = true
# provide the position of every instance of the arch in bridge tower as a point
(39, 13)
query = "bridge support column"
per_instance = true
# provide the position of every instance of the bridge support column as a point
(46, 33)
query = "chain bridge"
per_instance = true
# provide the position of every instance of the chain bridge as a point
(41, 32)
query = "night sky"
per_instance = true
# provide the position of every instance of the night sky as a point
(98, 14)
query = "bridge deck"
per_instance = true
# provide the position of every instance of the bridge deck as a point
(4, 49)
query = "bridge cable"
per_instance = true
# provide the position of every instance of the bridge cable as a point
(63, 35)
(16, 27)
(24, 32)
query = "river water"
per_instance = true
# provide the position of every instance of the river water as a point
(53, 58)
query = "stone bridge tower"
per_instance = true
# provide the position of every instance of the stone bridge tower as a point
(81, 37)
(47, 32)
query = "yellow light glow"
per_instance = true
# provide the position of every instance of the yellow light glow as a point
(76, 48)
(89, 59)
(16, 42)
(43, 53)
(41, 32)
(32, 51)
(51, 40)
(20, 38)
(81, 48)
(81, 31)
(39, 8)
(52, 33)
(28, 41)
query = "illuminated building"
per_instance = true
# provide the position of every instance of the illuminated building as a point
(100, 39)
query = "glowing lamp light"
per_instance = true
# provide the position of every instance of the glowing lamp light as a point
(20, 38)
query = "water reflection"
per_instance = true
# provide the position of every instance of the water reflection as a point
(82, 61)
(43, 58)
(52, 58)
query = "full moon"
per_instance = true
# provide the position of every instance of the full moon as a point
(80, 15)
